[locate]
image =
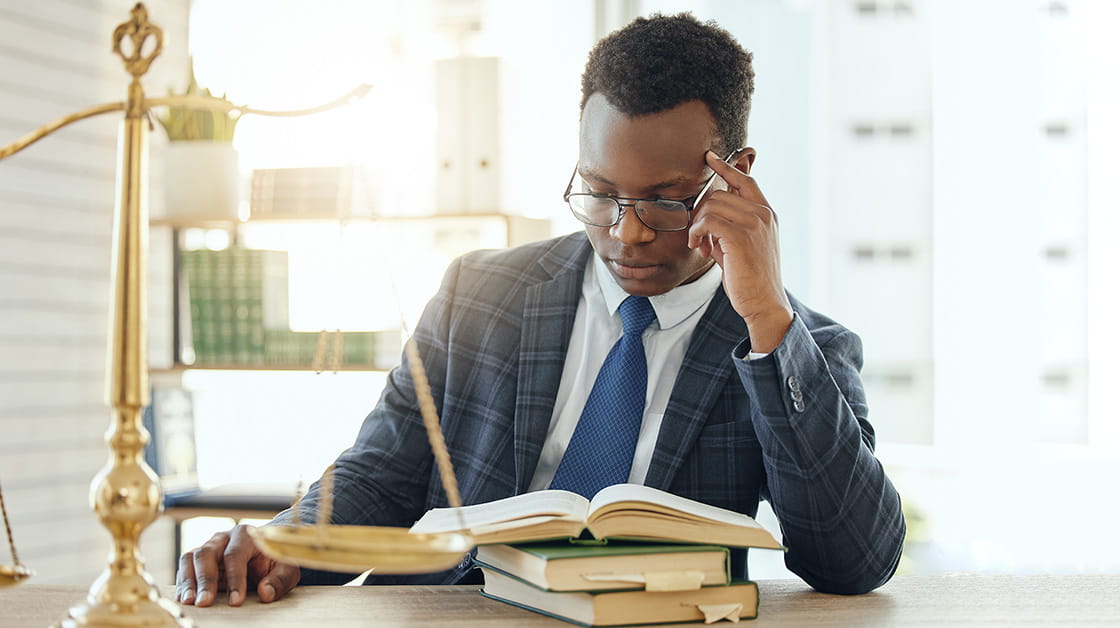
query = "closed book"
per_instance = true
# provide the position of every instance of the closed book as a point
(225, 352)
(621, 511)
(564, 566)
(616, 608)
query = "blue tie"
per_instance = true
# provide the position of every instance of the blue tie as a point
(602, 446)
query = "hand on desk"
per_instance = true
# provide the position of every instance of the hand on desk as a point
(230, 561)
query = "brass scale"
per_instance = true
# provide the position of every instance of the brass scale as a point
(125, 494)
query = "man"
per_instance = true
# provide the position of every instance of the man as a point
(747, 394)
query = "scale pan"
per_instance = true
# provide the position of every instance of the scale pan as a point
(355, 549)
(11, 575)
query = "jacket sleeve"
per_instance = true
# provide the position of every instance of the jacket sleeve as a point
(841, 517)
(382, 478)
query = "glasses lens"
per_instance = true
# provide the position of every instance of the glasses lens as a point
(663, 215)
(594, 210)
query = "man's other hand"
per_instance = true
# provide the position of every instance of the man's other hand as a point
(230, 561)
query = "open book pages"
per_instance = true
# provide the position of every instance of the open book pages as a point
(637, 497)
(622, 510)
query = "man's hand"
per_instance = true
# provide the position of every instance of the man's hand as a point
(738, 229)
(230, 561)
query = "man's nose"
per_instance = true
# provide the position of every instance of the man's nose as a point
(630, 229)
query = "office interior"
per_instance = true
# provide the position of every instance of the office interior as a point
(943, 171)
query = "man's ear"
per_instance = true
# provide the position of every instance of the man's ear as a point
(746, 159)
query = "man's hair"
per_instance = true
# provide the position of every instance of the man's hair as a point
(656, 63)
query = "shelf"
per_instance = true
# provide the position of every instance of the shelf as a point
(203, 222)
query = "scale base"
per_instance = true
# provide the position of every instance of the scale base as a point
(152, 612)
(132, 601)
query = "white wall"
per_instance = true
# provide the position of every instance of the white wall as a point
(56, 204)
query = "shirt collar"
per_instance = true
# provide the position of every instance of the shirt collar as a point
(673, 307)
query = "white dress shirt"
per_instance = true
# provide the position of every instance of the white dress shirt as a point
(597, 327)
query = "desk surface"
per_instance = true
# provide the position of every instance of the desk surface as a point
(908, 600)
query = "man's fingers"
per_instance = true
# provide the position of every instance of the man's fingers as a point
(282, 579)
(236, 560)
(184, 579)
(207, 569)
(739, 182)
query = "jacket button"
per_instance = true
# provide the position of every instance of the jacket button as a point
(799, 405)
(793, 383)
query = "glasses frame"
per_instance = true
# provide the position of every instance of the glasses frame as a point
(689, 203)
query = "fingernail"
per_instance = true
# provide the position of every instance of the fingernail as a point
(268, 593)
(204, 597)
(235, 598)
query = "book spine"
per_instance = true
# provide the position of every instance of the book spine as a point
(240, 298)
(222, 274)
(254, 307)
(202, 289)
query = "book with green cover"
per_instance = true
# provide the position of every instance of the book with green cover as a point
(224, 320)
(738, 600)
(564, 566)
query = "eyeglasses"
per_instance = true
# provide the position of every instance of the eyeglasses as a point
(659, 214)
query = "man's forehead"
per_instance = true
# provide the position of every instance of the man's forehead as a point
(672, 141)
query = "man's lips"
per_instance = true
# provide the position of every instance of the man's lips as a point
(628, 269)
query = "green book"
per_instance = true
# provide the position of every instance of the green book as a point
(222, 281)
(253, 304)
(615, 608)
(198, 265)
(241, 298)
(565, 566)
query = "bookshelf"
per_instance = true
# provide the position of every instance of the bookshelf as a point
(452, 233)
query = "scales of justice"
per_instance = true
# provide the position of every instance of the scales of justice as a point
(125, 493)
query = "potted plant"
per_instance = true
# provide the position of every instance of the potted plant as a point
(201, 178)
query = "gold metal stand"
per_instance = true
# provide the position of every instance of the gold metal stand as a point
(125, 494)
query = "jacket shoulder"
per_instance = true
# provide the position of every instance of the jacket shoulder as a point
(527, 263)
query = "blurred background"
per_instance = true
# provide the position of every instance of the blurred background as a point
(943, 172)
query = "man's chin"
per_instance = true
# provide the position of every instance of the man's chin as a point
(644, 287)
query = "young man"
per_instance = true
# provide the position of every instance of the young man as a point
(744, 393)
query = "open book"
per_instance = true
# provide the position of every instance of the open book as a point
(627, 511)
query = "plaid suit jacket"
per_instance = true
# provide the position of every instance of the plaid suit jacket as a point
(790, 427)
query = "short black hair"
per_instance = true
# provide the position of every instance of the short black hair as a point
(654, 64)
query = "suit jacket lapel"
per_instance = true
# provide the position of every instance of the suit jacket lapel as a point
(550, 312)
(703, 375)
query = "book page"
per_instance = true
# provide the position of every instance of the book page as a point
(634, 492)
(556, 503)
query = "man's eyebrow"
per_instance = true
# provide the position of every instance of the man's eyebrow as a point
(662, 185)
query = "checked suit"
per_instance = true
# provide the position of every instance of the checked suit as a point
(790, 427)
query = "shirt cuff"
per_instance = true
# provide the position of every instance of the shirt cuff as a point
(753, 355)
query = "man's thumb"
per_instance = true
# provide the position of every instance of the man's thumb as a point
(282, 579)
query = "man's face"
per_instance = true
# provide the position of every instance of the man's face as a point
(659, 155)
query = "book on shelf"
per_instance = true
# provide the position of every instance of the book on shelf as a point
(621, 511)
(565, 566)
(738, 600)
(236, 302)
(312, 192)
(170, 452)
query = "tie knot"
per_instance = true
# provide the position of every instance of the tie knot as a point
(637, 313)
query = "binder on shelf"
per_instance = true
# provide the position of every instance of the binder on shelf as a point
(315, 192)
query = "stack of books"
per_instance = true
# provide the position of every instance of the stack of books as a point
(630, 555)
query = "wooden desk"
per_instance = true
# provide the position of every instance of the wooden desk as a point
(957, 600)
